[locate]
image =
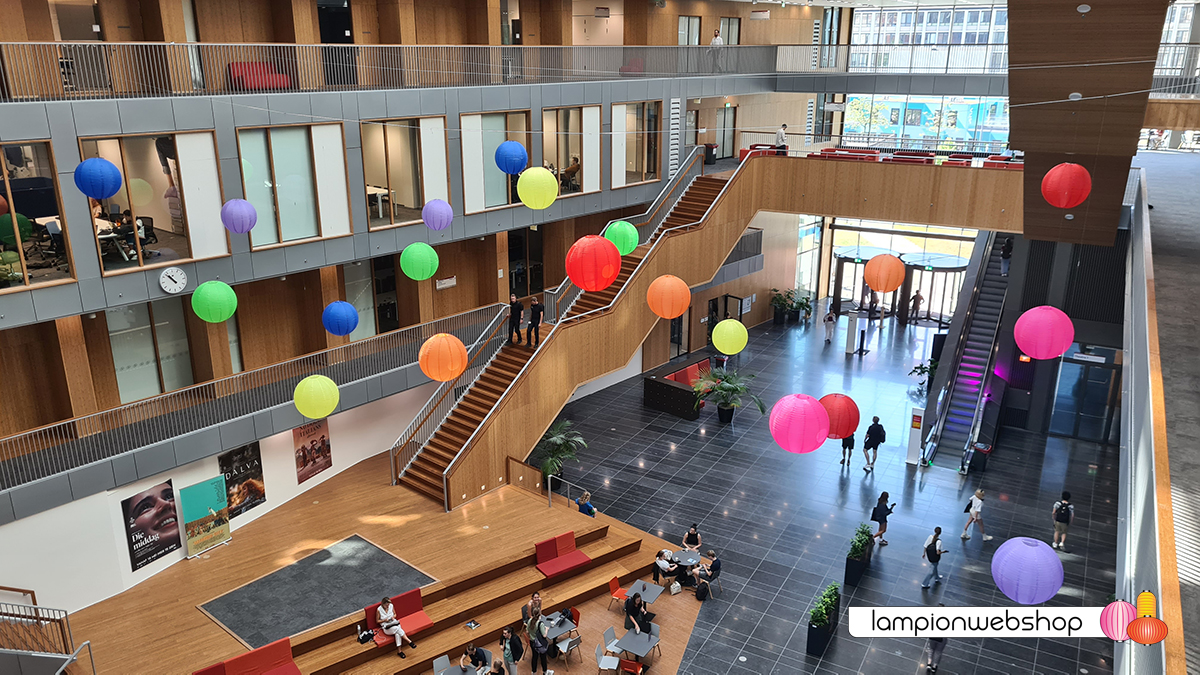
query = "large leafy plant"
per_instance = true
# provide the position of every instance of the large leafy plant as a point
(860, 542)
(783, 299)
(560, 443)
(826, 604)
(725, 388)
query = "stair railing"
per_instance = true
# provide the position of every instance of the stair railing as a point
(74, 657)
(933, 439)
(427, 421)
(981, 401)
(27, 628)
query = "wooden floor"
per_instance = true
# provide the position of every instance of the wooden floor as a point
(156, 627)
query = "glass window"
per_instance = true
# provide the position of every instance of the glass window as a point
(279, 178)
(235, 344)
(149, 348)
(150, 201)
(808, 255)
(890, 19)
(170, 333)
(973, 17)
(33, 233)
(691, 120)
(985, 16)
(906, 18)
(689, 30)
(387, 316)
(562, 147)
(1001, 17)
(499, 188)
(731, 31)
(641, 141)
(392, 170)
(360, 293)
(946, 18)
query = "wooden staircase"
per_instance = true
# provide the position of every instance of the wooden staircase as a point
(425, 473)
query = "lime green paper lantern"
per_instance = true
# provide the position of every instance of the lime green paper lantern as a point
(624, 235)
(730, 336)
(214, 301)
(537, 188)
(419, 261)
(316, 396)
(140, 192)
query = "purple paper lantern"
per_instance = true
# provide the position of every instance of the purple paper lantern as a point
(437, 215)
(239, 216)
(1027, 570)
(799, 423)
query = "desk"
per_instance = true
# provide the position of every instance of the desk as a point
(639, 644)
(459, 670)
(106, 233)
(378, 193)
(687, 558)
(650, 592)
(555, 630)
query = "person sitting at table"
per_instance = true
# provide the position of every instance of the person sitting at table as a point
(691, 540)
(474, 657)
(666, 568)
(385, 614)
(706, 572)
(127, 229)
(636, 616)
(497, 668)
(567, 176)
(533, 607)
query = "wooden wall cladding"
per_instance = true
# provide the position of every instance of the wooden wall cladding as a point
(35, 382)
(646, 24)
(1177, 114)
(525, 477)
(280, 320)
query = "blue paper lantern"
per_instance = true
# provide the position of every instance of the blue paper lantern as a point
(340, 318)
(98, 178)
(511, 157)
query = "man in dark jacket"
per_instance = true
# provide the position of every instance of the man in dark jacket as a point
(875, 437)
(533, 334)
(1005, 256)
(511, 649)
(515, 310)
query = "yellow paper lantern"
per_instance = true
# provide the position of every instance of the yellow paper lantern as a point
(537, 188)
(730, 337)
(316, 396)
(140, 192)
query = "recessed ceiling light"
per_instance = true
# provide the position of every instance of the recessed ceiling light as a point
(1083, 9)
(1075, 96)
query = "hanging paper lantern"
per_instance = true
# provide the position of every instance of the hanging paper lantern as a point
(6, 229)
(340, 318)
(419, 261)
(239, 216)
(1147, 629)
(1115, 618)
(593, 263)
(1066, 185)
(537, 188)
(98, 178)
(799, 423)
(443, 357)
(3, 205)
(140, 192)
(624, 235)
(1027, 570)
(730, 337)
(511, 157)
(884, 273)
(214, 301)
(316, 396)
(843, 414)
(668, 296)
(437, 214)
(1044, 332)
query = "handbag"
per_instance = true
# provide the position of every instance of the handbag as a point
(675, 588)
(538, 642)
(968, 509)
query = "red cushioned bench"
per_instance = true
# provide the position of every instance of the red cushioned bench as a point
(410, 611)
(558, 555)
(759, 149)
(957, 162)
(257, 75)
(272, 659)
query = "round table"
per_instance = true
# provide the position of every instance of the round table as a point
(687, 558)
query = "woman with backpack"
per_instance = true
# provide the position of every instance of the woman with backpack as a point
(975, 509)
(933, 553)
(880, 515)
(539, 644)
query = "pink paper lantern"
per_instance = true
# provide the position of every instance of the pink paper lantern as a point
(1044, 332)
(1115, 618)
(799, 423)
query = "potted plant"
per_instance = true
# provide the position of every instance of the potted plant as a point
(823, 619)
(926, 371)
(726, 388)
(558, 444)
(859, 557)
(801, 303)
(782, 302)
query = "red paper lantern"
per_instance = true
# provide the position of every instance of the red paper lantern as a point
(3, 205)
(1066, 185)
(843, 414)
(884, 273)
(443, 357)
(668, 296)
(1147, 630)
(593, 263)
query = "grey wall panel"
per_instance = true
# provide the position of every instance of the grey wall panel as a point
(373, 105)
(290, 109)
(243, 267)
(358, 205)
(55, 301)
(236, 432)
(223, 121)
(339, 250)
(949, 86)
(84, 260)
(124, 469)
(493, 98)
(270, 263)
(411, 234)
(126, 288)
(94, 118)
(232, 188)
(154, 459)
(572, 94)
(209, 270)
(197, 445)
(353, 395)
(16, 309)
(304, 256)
(286, 417)
(6, 517)
(433, 102)
(41, 495)
(350, 106)
(470, 100)
(264, 424)
(498, 221)
(518, 96)
(91, 479)
(62, 134)
(374, 388)
(362, 246)
(403, 103)
(551, 95)
(24, 121)
(146, 115)
(352, 133)
(327, 106)
(383, 241)
(249, 110)
(393, 382)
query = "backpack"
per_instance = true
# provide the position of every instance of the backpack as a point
(702, 592)
(537, 641)
(931, 552)
(1062, 513)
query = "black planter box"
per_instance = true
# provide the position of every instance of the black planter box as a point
(818, 639)
(780, 316)
(725, 415)
(794, 315)
(661, 393)
(855, 570)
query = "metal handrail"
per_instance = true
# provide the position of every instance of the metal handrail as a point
(22, 628)
(550, 478)
(75, 657)
(981, 401)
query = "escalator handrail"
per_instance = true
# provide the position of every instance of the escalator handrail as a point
(981, 401)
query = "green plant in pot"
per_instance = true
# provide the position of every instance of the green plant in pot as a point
(726, 388)
(927, 371)
(859, 557)
(558, 444)
(782, 302)
(823, 620)
(801, 303)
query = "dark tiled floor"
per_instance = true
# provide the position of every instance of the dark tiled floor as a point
(783, 522)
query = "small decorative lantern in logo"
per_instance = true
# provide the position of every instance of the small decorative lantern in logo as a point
(1147, 629)
(1115, 618)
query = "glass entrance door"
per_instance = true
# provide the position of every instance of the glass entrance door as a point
(679, 333)
(1087, 397)
(726, 125)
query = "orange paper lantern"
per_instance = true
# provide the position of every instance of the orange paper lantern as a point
(1147, 630)
(884, 273)
(593, 263)
(668, 296)
(443, 357)
(1066, 185)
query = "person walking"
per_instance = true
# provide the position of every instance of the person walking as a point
(1064, 515)
(714, 48)
(933, 553)
(880, 515)
(847, 450)
(975, 507)
(515, 310)
(830, 322)
(875, 437)
(533, 334)
(512, 649)
(781, 140)
(916, 306)
(1005, 256)
(933, 651)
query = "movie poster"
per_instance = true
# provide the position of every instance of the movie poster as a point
(151, 524)
(313, 454)
(243, 472)
(205, 515)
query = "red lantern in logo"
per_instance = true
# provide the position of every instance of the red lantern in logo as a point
(593, 263)
(1066, 185)
(843, 414)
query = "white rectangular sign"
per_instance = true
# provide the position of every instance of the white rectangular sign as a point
(970, 622)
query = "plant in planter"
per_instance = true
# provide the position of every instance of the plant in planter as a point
(782, 302)
(926, 371)
(823, 619)
(558, 444)
(801, 303)
(726, 388)
(859, 557)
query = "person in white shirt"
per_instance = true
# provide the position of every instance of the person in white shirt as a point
(781, 140)
(385, 614)
(830, 322)
(974, 508)
(933, 553)
(715, 50)
(666, 568)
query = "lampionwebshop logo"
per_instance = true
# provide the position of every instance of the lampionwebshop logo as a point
(965, 622)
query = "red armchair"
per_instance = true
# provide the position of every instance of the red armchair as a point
(272, 659)
(410, 611)
(558, 555)
(257, 75)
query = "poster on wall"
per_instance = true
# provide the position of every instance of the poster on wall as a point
(313, 453)
(205, 515)
(242, 468)
(151, 524)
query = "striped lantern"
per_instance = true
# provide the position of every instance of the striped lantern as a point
(1115, 618)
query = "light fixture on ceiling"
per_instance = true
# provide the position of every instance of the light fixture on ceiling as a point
(1083, 9)
(1075, 96)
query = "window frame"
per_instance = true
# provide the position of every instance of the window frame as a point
(153, 326)
(529, 130)
(646, 145)
(387, 165)
(724, 24)
(688, 35)
(542, 132)
(6, 192)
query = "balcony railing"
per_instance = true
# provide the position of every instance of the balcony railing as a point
(77, 442)
(27, 628)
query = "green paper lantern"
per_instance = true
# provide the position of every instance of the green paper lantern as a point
(419, 261)
(6, 229)
(316, 396)
(537, 188)
(624, 235)
(141, 193)
(214, 301)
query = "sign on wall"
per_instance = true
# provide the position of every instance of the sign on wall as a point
(313, 452)
(151, 524)
(205, 515)
(242, 468)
